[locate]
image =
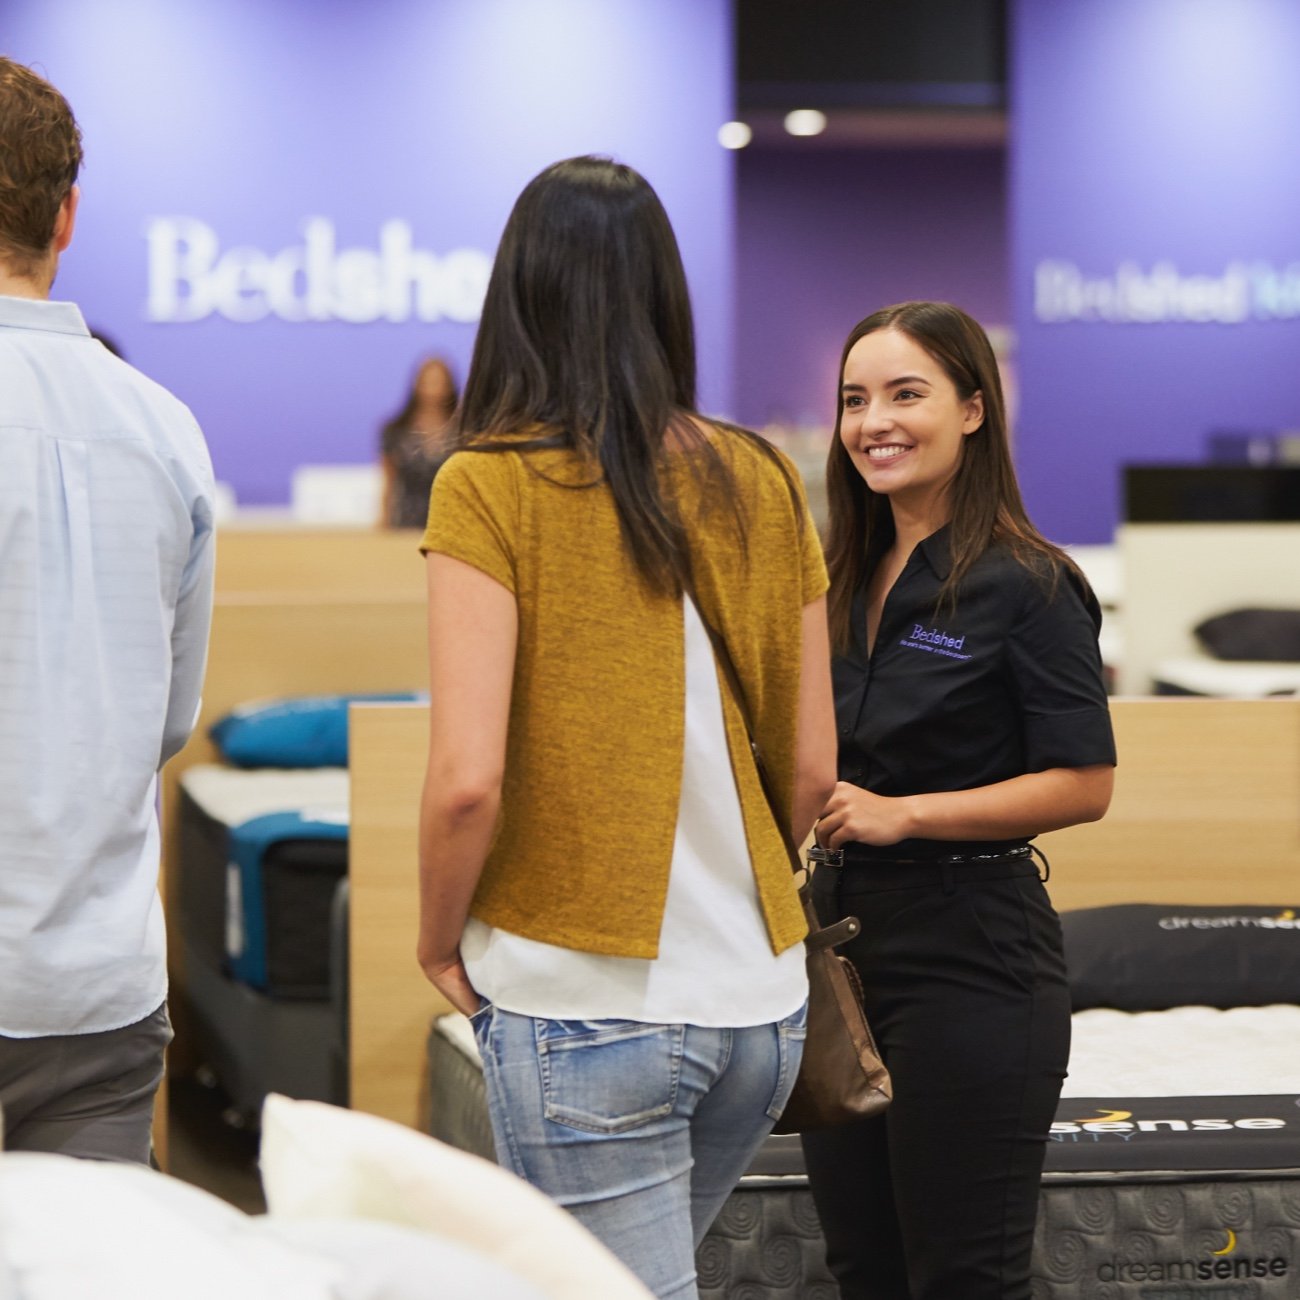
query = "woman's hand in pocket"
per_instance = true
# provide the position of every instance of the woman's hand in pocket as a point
(452, 981)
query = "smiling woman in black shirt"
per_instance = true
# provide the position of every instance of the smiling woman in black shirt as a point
(972, 717)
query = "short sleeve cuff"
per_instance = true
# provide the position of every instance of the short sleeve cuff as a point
(484, 559)
(815, 584)
(470, 516)
(1083, 738)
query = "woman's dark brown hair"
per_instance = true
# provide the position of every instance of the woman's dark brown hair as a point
(586, 342)
(986, 502)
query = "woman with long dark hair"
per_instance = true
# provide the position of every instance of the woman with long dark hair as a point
(972, 717)
(414, 443)
(603, 888)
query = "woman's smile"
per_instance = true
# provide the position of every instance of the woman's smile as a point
(887, 451)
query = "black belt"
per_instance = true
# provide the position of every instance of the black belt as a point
(823, 857)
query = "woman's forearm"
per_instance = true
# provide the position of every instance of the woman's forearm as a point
(1023, 805)
(386, 491)
(811, 791)
(473, 628)
(455, 835)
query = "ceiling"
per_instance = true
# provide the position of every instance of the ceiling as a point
(908, 73)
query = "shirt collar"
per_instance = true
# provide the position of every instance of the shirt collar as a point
(937, 550)
(40, 314)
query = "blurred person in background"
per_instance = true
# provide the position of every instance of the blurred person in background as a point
(414, 444)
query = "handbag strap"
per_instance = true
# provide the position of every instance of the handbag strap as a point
(723, 656)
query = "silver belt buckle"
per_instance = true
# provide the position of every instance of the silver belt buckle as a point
(825, 857)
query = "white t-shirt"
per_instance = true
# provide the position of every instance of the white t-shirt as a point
(715, 966)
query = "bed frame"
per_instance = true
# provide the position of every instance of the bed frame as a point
(1206, 810)
(297, 611)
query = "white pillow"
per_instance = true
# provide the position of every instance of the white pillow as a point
(75, 1229)
(320, 1161)
(380, 1261)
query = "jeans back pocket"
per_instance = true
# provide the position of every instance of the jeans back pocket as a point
(608, 1076)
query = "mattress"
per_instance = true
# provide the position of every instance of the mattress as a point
(1173, 1168)
(262, 854)
(1201, 675)
(1188, 1088)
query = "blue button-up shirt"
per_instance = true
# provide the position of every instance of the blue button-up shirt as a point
(106, 558)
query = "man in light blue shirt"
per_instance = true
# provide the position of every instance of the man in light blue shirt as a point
(106, 556)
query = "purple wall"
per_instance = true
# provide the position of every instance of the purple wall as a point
(827, 236)
(1155, 198)
(254, 118)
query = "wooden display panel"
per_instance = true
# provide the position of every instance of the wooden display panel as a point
(1206, 808)
(319, 561)
(391, 1003)
(310, 612)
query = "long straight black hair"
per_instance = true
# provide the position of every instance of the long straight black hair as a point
(586, 342)
(986, 503)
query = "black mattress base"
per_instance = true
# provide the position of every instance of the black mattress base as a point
(1203, 1239)
(299, 878)
(257, 1044)
(1200, 1237)
(767, 1241)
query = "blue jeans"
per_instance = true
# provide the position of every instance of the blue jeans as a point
(641, 1131)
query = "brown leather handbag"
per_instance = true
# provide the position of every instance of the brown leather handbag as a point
(842, 1077)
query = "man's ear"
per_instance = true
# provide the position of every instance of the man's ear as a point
(66, 220)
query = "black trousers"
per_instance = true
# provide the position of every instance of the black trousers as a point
(966, 993)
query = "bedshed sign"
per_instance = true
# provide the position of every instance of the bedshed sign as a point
(191, 277)
(1163, 295)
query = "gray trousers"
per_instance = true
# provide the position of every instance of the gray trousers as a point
(88, 1095)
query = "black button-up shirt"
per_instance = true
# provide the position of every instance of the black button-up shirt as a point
(1007, 681)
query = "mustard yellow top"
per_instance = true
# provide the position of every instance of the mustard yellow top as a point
(584, 845)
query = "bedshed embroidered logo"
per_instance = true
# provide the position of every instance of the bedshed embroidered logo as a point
(935, 642)
(1120, 1124)
(1184, 1277)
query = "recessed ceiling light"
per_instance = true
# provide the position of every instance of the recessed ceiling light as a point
(805, 121)
(734, 135)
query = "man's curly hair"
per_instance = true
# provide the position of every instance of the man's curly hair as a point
(40, 155)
